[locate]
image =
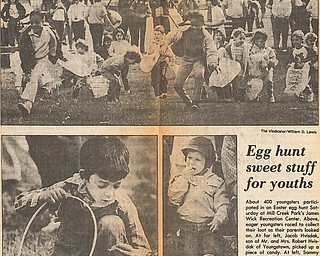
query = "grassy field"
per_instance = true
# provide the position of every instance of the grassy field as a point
(141, 108)
(141, 185)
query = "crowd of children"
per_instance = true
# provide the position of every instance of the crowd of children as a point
(200, 48)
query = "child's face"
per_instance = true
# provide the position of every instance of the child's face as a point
(119, 37)
(311, 42)
(217, 36)
(81, 50)
(296, 41)
(103, 191)
(239, 40)
(261, 43)
(36, 24)
(157, 35)
(195, 160)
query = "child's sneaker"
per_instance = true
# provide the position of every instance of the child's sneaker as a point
(310, 97)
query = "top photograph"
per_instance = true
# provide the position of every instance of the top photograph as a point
(159, 62)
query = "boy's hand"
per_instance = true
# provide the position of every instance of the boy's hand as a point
(190, 171)
(54, 195)
(214, 224)
(125, 249)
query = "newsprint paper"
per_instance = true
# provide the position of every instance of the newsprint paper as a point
(160, 128)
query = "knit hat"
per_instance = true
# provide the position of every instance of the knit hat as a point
(202, 145)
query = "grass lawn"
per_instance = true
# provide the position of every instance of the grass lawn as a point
(141, 108)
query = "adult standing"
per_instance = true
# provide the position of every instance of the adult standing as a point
(237, 11)
(76, 15)
(59, 18)
(280, 18)
(96, 18)
(12, 13)
(126, 14)
(313, 9)
(300, 16)
(140, 12)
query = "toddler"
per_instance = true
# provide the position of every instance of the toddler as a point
(238, 50)
(104, 164)
(159, 80)
(311, 41)
(118, 47)
(201, 199)
(301, 55)
(262, 61)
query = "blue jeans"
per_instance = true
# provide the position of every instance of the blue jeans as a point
(186, 66)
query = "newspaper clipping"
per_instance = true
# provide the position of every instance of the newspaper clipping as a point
(160, 128)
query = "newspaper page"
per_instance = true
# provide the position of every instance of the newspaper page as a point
(160, 127)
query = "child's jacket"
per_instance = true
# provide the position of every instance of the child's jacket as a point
(76, 229)
(28, 53)
(200, 198)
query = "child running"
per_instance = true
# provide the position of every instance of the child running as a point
(112, 69)
(201, 199)
(262, 61)
(238, 50)
(159, 80)
(104, 164)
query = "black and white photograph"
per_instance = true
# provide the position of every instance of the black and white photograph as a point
(200, 195)
(79, 195)
(159, 62)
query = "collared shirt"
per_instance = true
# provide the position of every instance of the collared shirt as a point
(234, 8)
(122, 207)
(77, 12)
(97, 13)
(44, 43)
(200, 198)
(281, 8)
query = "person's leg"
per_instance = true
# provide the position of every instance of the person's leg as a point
(250, 21)
(134, 31)
(111, 231)
(31, 89)
(284, 33)
(81, 29)
(124, 76)
(199, 69)
(155, 79)
(212, 243)
(189, 239)
(268, 83)
(143, 26)
(111, 95)
(184, 71)
(12, 23)
(59, 26)
(314, 24)
(163, 78)
(75, 27)
(276, 32)
(96, 31)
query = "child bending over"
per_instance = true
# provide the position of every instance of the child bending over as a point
(202, 201)
(159, 80)
(262, 60)
(112, 69)
(104, 162)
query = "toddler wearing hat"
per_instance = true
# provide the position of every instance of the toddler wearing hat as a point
(201, 199)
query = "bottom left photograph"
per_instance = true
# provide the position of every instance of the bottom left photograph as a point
(79, 195)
